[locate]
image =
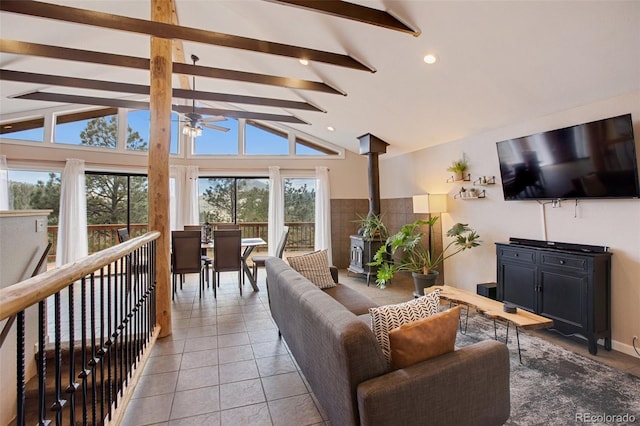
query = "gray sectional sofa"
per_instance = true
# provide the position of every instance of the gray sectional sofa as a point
(329, 335)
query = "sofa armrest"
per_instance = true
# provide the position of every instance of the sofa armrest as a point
(464, 387)
(334, 273)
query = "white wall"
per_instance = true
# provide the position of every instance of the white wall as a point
(614, 223)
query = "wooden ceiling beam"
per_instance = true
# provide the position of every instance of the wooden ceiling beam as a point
(112, 86)
(79, 55)
(124, 103)
(169, 31)
(354, 12)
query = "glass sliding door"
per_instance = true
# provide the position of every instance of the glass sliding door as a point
(299, 213)
(241, 200)
(115, 201)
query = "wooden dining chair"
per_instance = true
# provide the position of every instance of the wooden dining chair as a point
(258, 261)
(123, 235)
(226, 226)
(227, 254)
(208, 262)
(186, 258)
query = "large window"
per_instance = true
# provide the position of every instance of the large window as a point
(93, 128)
(35, 190)
(263, 140)
(299, 211)
(138, 122)
(217, 142)
(27, 130)
(115, 201)
(235, 200)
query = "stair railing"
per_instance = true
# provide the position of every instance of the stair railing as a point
(114, 292)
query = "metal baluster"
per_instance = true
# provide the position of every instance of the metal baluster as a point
(58, 403)
(101, 351)
(73, 384)
(109, 343)
(83, 347)
(94, 359)
(20, 383)
(42, 364)
(118, 332)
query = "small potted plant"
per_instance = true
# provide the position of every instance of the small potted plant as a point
(458, 167)
(372, 227)
(419, 258)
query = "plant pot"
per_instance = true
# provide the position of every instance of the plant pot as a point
(422, 281)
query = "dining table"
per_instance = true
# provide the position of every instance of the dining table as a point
(248, 244)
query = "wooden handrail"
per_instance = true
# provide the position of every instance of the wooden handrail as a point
(20, 296)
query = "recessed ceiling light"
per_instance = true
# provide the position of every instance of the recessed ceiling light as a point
(330, 128)
(431, 59)
(304, 62)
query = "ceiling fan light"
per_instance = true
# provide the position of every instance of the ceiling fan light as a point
(192, 131)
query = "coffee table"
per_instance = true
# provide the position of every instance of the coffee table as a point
(494, 310)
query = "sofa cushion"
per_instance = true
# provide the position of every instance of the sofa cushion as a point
(314, 267)
(386, 318)
(424, 339)
(356, 302)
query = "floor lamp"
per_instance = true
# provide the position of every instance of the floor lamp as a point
(430, 204)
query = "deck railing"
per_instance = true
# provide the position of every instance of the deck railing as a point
(103, 309)
(301, 235)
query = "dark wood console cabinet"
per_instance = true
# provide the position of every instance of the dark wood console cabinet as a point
(361, 253)
(571, 287)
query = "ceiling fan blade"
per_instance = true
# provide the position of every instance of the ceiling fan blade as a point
(214, 127)
(213, 118)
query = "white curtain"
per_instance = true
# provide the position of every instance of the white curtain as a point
(72, 224)
(4, 183)
(183, 196)
(323, 212)
(275, 226)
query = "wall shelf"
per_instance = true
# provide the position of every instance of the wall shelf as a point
(465, 178)
(485, 180)
(465, 195)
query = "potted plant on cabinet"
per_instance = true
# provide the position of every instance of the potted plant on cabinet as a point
(458, 168)
(416, 256)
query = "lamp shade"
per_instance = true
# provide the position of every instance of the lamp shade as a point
(430, 203)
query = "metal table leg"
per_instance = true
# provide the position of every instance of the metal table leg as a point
(245, 268)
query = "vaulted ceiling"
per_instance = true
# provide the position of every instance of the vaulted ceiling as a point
(498, 63)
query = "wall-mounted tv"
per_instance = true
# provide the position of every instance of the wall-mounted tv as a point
(590, 160)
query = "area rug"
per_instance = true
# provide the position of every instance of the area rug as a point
(554, 386)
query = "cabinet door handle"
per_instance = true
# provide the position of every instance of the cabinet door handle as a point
(517, 254)
(562, 262)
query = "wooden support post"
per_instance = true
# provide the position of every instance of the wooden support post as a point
(159, 142)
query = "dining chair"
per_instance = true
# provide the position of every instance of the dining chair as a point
(259, 260)
(137, 263)
(186, 258)
(208, 262)
(226, 226)
(123, 235)
(227, 256)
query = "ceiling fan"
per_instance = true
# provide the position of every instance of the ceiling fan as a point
(194, 122)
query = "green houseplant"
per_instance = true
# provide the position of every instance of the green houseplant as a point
(372, 227)
(458, 167)
(416, 256)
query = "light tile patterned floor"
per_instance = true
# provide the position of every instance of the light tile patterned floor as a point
(223, 365)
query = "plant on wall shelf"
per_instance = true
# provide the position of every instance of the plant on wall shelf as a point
(458, 167)
(417, 257)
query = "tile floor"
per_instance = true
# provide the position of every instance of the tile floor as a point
(225, 365)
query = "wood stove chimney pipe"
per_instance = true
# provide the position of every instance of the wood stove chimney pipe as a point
(373, 147)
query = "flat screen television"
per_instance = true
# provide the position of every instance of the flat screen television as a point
(590, 160)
